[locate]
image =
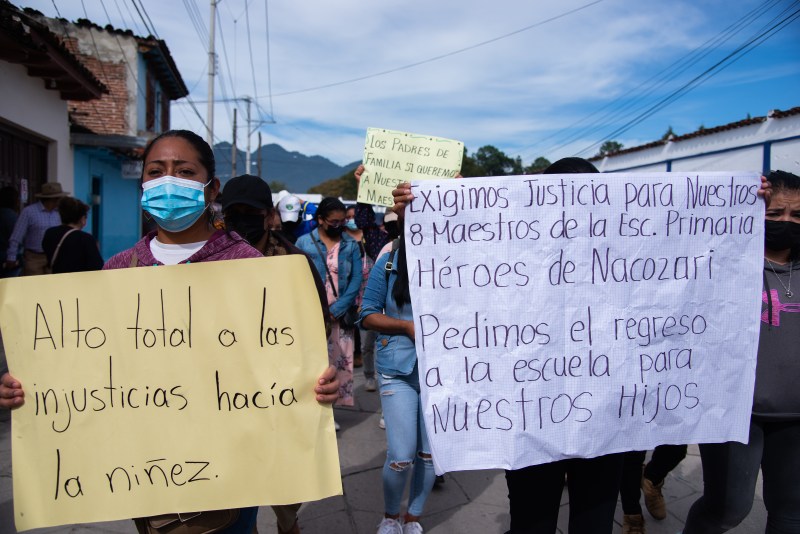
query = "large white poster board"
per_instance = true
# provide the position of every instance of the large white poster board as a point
(576, 315)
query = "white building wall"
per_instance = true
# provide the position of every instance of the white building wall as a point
(27, 105)
(786, 156)
(729, 150)
(746, 159)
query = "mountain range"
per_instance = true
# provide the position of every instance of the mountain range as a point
(298, 171)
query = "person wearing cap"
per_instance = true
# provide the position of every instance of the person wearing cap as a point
(247, 209)
(33, 222)
(289, 209)
(391, 225)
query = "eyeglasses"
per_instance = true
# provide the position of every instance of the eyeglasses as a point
(335, 224)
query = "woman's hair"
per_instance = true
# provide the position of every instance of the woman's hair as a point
(9, 197)
(328, 205)
(571, 166)
(783, 181)
(401, 292)
(71, 210)
(199, 144)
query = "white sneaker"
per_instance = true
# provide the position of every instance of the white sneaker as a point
(382, 423)
(390, 526)
(336, 426)
(412, 528)
(371, 385)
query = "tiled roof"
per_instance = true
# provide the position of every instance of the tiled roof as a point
(25, 41)
(156, 53)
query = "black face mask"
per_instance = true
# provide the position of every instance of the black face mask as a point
(248, 225)
(392, 228)
(781, 235)
(334, 232)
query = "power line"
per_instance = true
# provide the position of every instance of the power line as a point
(655, 82)
(68, 37)
(151, 28)
(219, 74)
(153, 32)
(142, 90)
(436, 58)
(702, 77)
(250, 46)
(124, 20)
(100, 61)
(197, 23)
(269, 66)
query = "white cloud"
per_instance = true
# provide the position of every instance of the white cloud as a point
(511, 93)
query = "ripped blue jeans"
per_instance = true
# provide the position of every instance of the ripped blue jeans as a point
(409, 451)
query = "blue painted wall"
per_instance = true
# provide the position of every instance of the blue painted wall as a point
(119, 208)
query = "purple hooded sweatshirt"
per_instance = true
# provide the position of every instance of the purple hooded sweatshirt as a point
(220, 246)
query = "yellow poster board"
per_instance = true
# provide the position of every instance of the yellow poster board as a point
(392, 157)
(168, 389)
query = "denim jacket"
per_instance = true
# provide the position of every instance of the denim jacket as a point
(395, 354)
(349, 267)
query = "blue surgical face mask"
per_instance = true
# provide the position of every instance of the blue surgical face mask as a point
(351, 224)
(175, 203)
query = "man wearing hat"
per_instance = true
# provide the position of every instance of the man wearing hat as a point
(29, 230)
(248, 210)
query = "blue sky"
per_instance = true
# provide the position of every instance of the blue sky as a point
(525, 76)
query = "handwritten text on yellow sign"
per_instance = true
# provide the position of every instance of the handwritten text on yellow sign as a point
(168, 389)
(392, 157)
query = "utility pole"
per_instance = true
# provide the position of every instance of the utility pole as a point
(233, 148)
(258, 161)
(211, 72)
(247, 157)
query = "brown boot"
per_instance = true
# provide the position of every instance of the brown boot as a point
(633, 524)
(653, 499)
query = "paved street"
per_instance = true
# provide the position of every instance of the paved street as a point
(468, 502)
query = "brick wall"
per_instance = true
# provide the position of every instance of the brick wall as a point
(108, 114)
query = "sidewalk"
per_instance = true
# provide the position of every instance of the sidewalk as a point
(468, 502)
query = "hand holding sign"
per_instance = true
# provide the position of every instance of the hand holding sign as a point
(578, 315)
(392, 157)
(150, 391)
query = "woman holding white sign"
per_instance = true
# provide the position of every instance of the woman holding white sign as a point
(534, 492)
(387, 309)
(730, 470)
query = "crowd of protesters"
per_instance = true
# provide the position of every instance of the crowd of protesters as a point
(360, 274)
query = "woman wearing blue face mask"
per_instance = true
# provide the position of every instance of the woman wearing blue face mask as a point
(178, 188)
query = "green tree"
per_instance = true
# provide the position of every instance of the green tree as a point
(469, 167)
(344, 186)
(669, 133)
(609, 147)
(277, 185)
(538, 165)
(495, 162)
